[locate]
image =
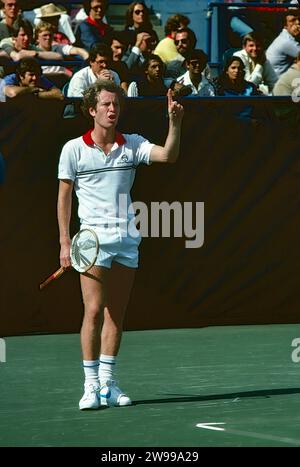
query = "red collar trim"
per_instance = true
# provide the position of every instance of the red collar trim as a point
(120, 140)
(100, 26)
(87, 138)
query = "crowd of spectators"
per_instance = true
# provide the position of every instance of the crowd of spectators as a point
(53, 54)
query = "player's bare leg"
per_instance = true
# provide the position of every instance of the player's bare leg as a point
(119, 286)
(94, 293)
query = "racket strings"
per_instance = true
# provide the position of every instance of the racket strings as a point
(84, 250)
(87, 244)
(77, 253)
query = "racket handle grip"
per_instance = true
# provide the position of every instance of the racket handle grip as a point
(51, 278)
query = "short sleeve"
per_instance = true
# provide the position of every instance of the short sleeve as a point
(64, 49)
(141, 149)
(11, 80)
(67, 167)
(8, 48)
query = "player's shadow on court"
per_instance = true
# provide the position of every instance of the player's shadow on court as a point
(233, 395)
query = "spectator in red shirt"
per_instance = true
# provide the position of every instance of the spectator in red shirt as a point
(93, 30)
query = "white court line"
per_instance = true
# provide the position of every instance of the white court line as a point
(249, 434)
(209, 426)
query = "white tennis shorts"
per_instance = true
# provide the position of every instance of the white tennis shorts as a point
(116, 245)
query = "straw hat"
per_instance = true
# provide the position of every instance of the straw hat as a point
(46, 11)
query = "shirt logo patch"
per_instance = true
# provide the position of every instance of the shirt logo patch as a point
(124, 160)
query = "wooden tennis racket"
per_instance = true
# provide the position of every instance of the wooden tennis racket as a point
(84, 251)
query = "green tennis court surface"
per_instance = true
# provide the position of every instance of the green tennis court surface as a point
(215, 386)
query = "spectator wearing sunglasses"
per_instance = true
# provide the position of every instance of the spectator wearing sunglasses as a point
(100, 61)
(166, 48)
(185, 42)
(138, 20)
(93, 30)
(193, 77)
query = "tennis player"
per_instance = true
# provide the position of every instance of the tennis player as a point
(100, 166)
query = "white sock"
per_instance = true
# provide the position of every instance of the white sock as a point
(91, 371)
(107, 365)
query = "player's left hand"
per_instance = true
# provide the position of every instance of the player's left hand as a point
(175, 110)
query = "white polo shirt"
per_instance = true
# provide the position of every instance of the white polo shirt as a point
(205, 88)
(100, 179)
(84, 78)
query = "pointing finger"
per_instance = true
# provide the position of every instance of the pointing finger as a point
(170, 99)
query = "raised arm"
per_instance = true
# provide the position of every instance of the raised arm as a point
(64, 207)
(170, 151)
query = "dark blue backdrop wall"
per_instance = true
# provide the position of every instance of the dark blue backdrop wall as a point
(247, 175)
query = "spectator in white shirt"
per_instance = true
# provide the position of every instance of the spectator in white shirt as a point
(258, 69)
(100, 59)
(193, 77)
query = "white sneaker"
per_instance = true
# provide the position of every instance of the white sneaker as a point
(90, 398)
(112, 396)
